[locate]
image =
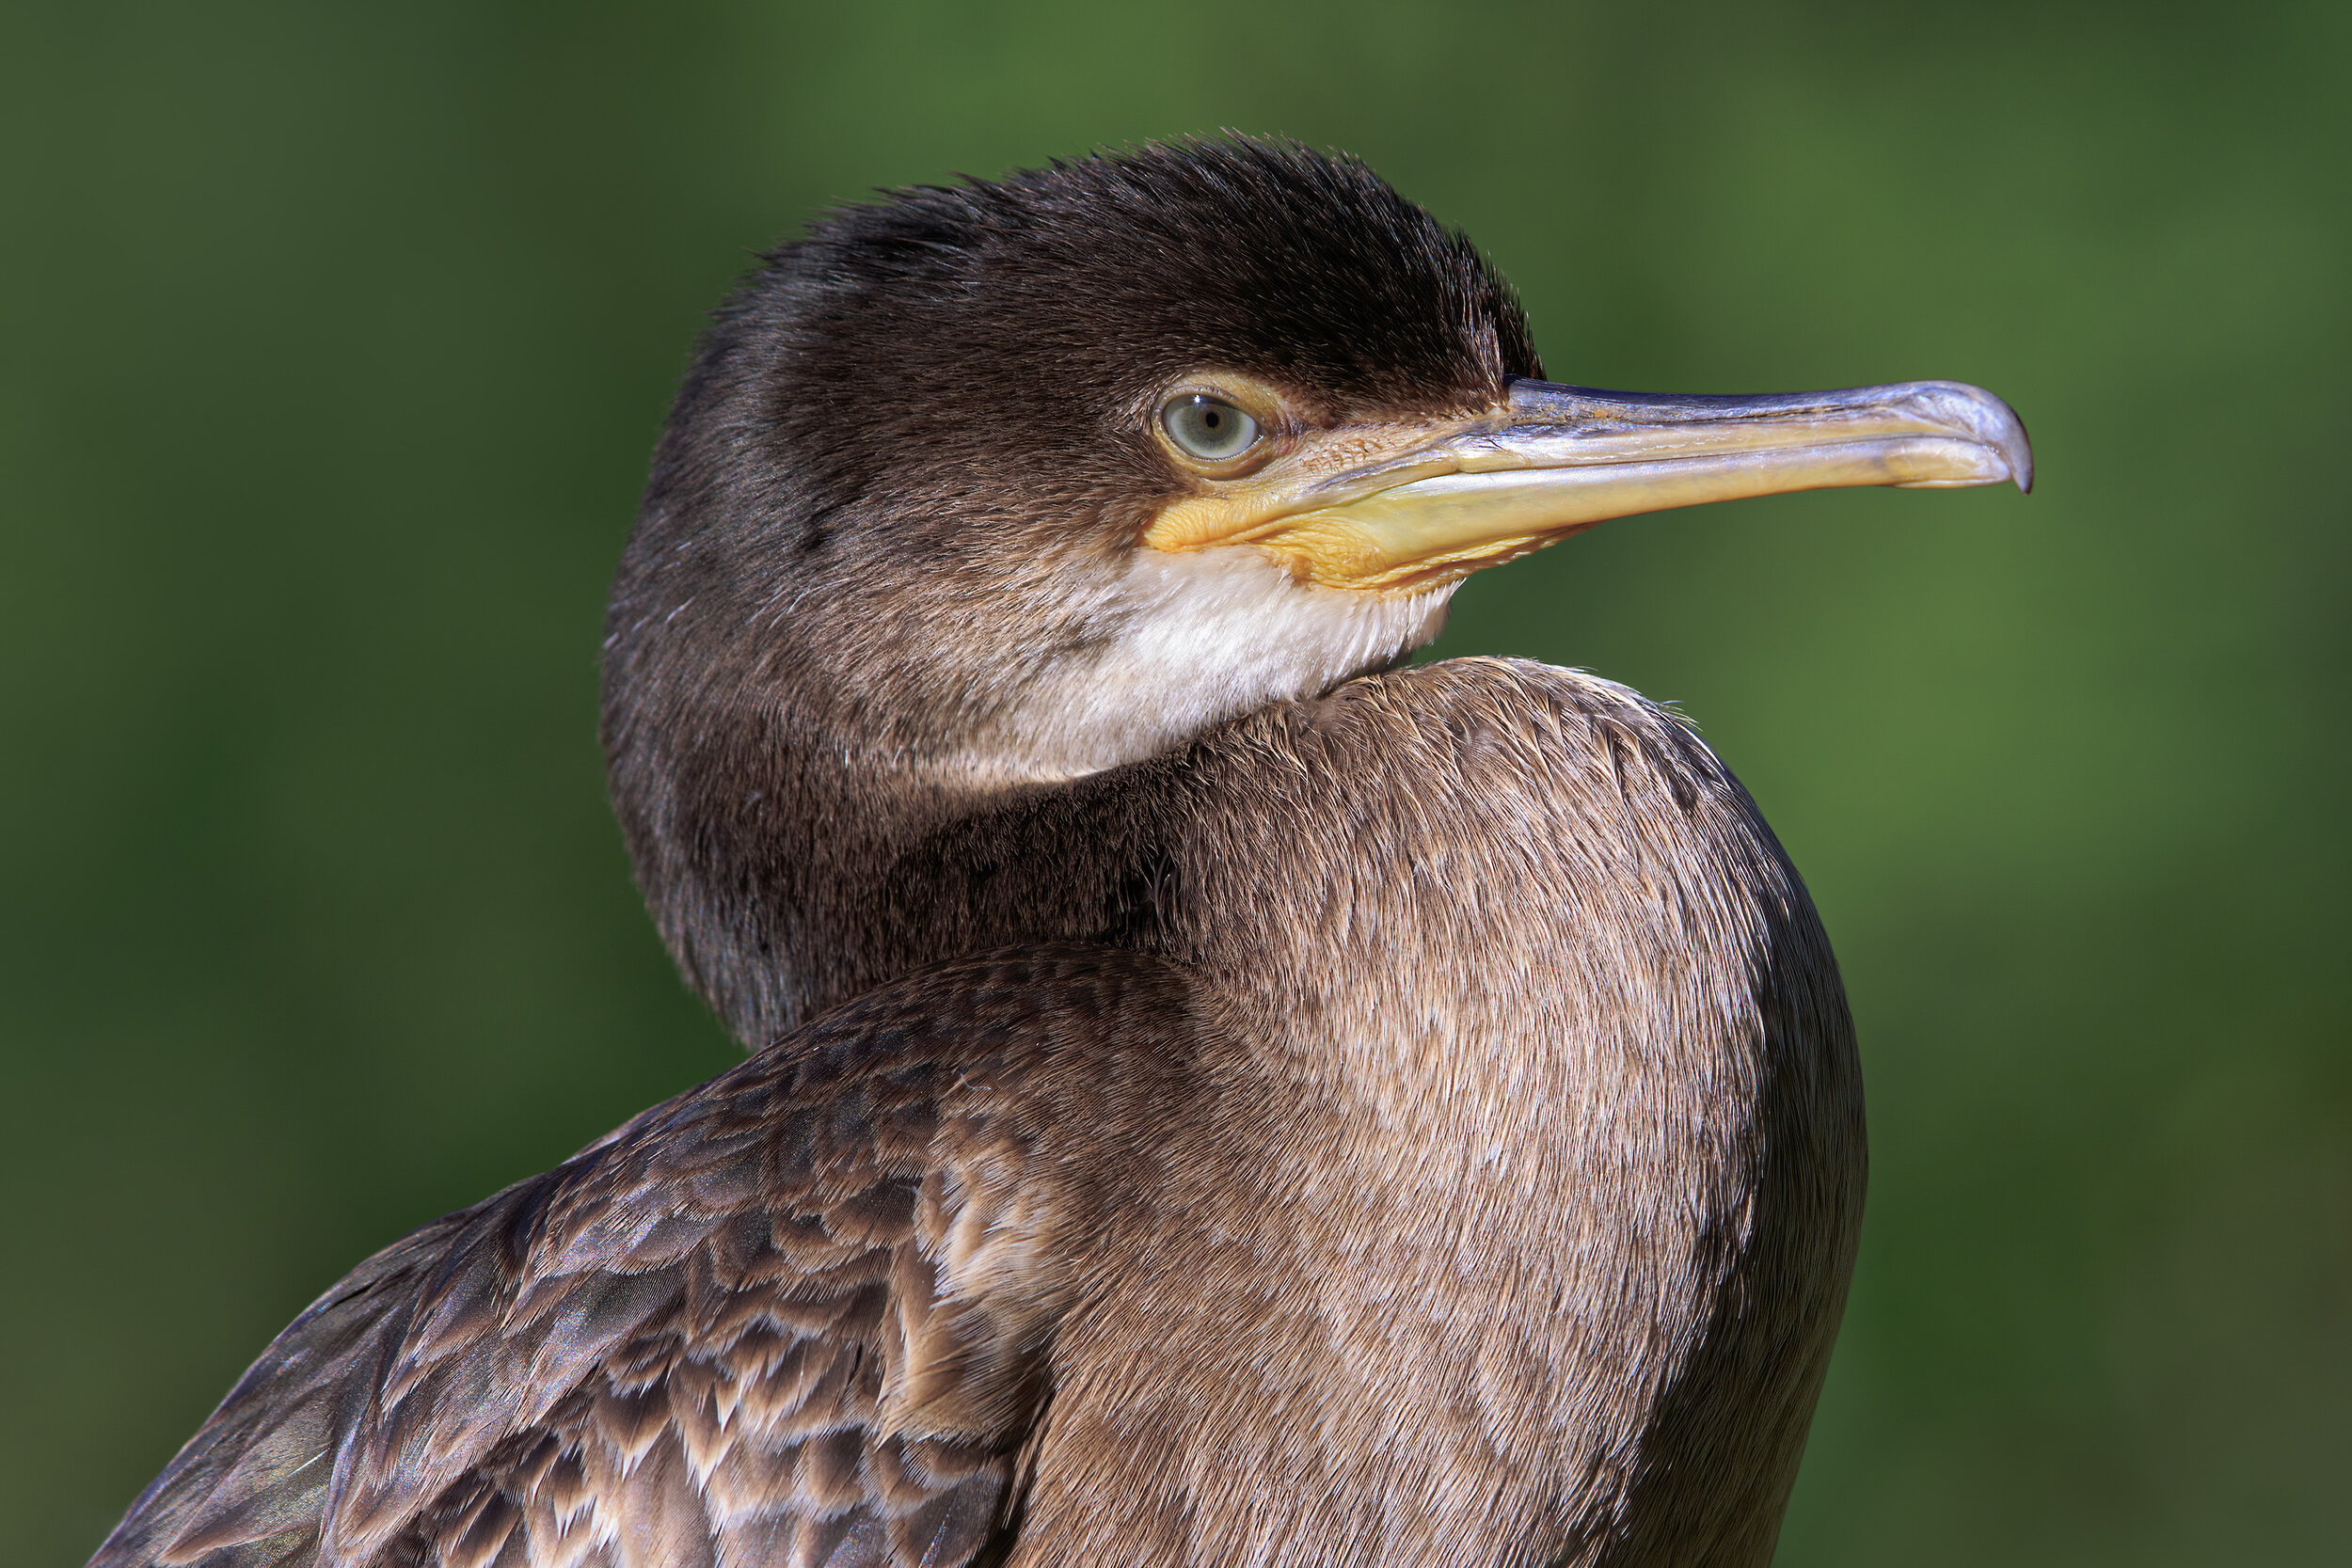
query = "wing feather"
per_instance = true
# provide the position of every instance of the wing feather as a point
(798, 1316)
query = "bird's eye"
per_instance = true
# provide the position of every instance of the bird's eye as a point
(1208, 428)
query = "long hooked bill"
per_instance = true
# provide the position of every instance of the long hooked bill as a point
(1555, 460)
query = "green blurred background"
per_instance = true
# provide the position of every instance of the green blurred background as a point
(335, 342)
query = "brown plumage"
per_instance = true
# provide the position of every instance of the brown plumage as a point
(1375, 1116)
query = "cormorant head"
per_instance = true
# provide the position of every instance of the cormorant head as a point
(912, 473)
(1024, 479)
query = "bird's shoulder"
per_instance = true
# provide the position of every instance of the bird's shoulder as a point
(1509, 735)
(795, 1315)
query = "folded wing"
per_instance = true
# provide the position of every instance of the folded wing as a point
(801, 1315)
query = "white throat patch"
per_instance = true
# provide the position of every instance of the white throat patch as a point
(1188, 641)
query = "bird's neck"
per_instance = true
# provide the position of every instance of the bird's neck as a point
(788, 873)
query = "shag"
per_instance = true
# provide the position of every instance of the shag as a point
(1222, 1094)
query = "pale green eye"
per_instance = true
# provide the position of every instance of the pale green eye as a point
(1208, 428)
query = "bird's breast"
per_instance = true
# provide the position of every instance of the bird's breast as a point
(1541, 1143)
